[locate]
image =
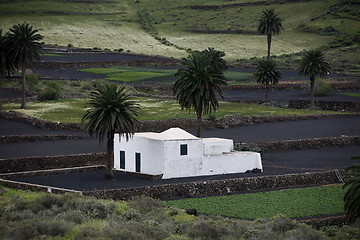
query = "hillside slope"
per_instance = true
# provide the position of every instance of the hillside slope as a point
(169, 28)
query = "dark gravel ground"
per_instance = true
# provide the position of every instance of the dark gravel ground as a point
(98, 57)
(290, 130)
(263, 132)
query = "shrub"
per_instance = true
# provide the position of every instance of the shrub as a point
(322, 88)
(145, 204)
(33, 82)
(70, 45)
(52, 92)
(95, 208)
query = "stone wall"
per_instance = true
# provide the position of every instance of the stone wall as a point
(327, 105)
(219, 187)
(304, 143)
(36, 138)
(51, 162)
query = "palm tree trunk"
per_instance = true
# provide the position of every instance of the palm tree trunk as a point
(269, 45)
(110, 158)
(199, 122)
(23, 98)
(312, 94)
(267, 93)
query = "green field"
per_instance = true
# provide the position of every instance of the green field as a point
(72, 110)
(168, 28)
(293, 203)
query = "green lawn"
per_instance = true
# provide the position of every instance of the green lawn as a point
(293, 203)
(353, 94)
(72, 110)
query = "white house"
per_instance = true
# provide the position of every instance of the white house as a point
(176, 153)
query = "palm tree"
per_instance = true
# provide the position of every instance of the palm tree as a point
(7, 66)
(111, 111)
(267, 73)
(312, 64)
(270, 24)
(216, 59)
(24, 45)
(352, 195)
(198, 84)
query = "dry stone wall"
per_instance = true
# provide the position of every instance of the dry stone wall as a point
(50, 162)
(327, 105)
(220, 187)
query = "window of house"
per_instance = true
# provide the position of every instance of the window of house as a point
(137, 162)
(183, 149)
(122, 159)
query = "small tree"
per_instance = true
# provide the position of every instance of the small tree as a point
(198, 84)
(352, 196)
(111, 111)
(313, 64)
(267, 73)
(24, 46)
(269, 24)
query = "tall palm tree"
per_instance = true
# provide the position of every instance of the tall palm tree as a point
(269, 23)
(267, 73)
(7, 66)
(313, 64)
(24, 45)
(352, 195)
(111, 111)
(198, 84)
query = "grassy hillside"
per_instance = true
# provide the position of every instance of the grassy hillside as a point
(168, 28)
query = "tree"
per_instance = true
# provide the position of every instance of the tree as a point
(111, 111)
(269, 24)
(267, 73)
(198, 84)
(352, 195)
(312, 64)
(24, 46)
(7, 66)
(216, 59)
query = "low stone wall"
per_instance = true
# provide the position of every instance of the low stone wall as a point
(219, 187)
(327, 221)
(327, 105)
(304, 143)
(13, 115)
(36, 138)
(35, 187)
(50, 162)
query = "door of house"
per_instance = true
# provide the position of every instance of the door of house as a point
(137, 162)
(122, 159)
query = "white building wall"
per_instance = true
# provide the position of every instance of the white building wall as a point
(151, 151)
(176, 165)
(217, 145)
(234, 162)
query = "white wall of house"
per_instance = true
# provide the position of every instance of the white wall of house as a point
(151, 154)
(176, 165)
(160, 153)
(232, 162)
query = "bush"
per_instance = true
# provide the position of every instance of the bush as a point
(33, 82)
(145, 204)
(322, 88)
(52, 92)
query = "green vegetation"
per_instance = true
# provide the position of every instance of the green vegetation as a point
(171, 28)
(293, 203)
(351, 94)
(72, 110)
(29, 215)
(129, 74)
